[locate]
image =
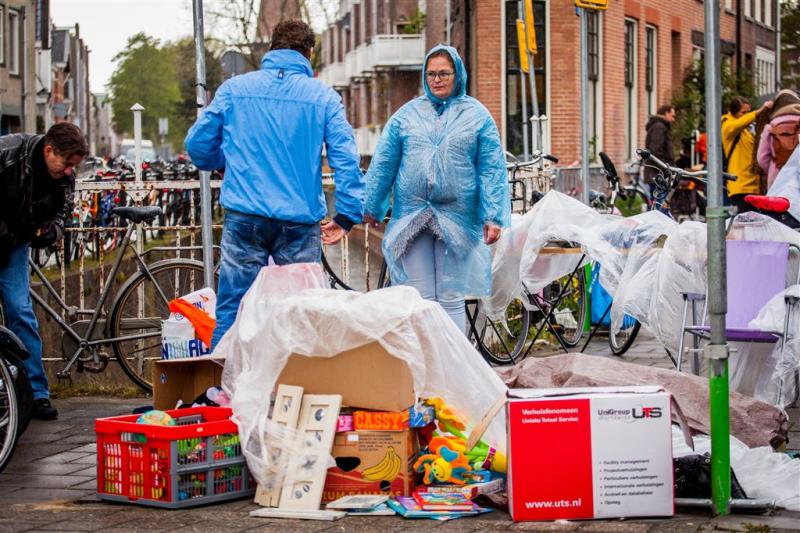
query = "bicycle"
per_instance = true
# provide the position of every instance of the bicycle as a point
(16, 396)
(132, 327)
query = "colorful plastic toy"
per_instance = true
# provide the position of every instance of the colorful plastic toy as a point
(443, 465)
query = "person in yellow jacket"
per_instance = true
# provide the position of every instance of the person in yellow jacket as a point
(737, 149)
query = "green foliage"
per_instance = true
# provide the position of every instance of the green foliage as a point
(790, 37)
(417, 23)
(690, 102)
(145, 74)
(182, 55)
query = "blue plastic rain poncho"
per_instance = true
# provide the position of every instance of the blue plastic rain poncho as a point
(444, 165)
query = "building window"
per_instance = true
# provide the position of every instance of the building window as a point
(2, 35)
(768, 13)
(517, 85)
(757, 11)
(650, 43)
(748, 8)
(13, 42)
(729, 5)
(630, 88)
(595, 83)
(765, 71)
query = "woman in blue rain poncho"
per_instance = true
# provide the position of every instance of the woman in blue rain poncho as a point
(440, 165)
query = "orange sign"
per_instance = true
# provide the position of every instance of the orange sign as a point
(379, 421)
(592, 4)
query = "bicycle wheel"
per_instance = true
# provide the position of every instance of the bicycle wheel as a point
(620, 341)
(9, 414)
(334, 280)
(631, 201)
(140, 306)
(569, 317)
(500, 343)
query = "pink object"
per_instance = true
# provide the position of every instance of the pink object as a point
(766, 153)
(345, 423)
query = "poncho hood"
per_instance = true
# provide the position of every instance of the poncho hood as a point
(460, 86)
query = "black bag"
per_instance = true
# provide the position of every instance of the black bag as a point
(693, 478)
(726, 158)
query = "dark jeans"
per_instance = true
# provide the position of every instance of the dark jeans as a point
(20, 318)
(248, 241)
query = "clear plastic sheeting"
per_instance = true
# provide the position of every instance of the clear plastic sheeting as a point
(762, 472)
(784, 361)
(787, 184)
(648, 263)
(274, 323)
(627, 248)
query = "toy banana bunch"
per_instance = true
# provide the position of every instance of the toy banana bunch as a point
(482, 456)
(386, 470)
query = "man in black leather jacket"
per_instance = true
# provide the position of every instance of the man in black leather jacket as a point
(36, 184)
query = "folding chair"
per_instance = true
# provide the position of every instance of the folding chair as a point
(756, 272)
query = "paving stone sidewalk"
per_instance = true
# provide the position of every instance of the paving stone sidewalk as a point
(50, 486)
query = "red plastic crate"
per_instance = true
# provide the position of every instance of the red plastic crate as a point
(195, 462)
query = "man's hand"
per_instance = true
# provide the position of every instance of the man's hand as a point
(491, 233)
(368, 219)
(48, 235)
(332, 233)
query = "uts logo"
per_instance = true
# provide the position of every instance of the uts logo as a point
(647, 412)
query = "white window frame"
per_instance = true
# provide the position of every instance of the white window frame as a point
(2, 35)
(596, 90)
(13, 42)
(758, 15)
(652, 96)
(768, 13)
(748, 8)
(729, 5)
(631, 100)
(765, 71)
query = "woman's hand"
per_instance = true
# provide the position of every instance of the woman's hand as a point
(491, 233)
(370, 220)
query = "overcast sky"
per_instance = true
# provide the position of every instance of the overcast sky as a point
(105, 26)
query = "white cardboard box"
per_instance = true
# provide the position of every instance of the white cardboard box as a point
(602, 452)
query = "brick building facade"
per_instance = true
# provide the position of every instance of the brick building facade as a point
(639, 52)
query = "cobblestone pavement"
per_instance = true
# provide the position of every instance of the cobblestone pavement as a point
(50, 486)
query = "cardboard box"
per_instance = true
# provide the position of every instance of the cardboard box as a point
(184, 379)
(386, 458)
(367, 377)
(603, 452)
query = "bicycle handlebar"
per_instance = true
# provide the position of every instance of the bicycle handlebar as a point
(535, 160)
(700, 175)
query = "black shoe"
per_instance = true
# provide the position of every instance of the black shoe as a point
(44, 410)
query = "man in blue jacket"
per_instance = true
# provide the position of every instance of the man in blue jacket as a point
(267, 129)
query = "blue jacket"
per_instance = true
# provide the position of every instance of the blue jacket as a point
(267, 129)
(442, 165)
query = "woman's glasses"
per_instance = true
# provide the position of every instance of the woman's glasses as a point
(443, 75)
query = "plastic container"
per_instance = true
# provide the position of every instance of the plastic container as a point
(196, 462)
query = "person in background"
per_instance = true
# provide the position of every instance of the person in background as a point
(37, 183)
(776, 139)
(737, 150)
(659, 141)
(440, 163)
(267, 129)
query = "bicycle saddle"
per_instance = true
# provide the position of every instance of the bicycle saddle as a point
(137, 214)
(772, 204)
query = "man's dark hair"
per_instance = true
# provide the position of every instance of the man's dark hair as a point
(664, 109)
(67, 140)
(295, 35)
(736, 104)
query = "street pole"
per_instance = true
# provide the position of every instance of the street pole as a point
(205, 176)
(536, 124)
(523, 96)
(778, 44)
(585, 104)
(717, 350)
(137, 140)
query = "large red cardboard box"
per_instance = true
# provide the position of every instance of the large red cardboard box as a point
(372, 462)
(603, 452)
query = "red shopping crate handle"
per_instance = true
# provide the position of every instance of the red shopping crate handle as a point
(215, 421)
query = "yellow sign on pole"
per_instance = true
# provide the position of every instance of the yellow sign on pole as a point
(531, 27)
(523, 53)
(592, 4)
